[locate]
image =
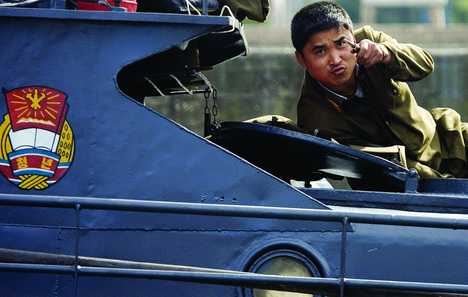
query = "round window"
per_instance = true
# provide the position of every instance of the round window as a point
(282, 262)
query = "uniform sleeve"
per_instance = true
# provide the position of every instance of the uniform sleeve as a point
(409, 62)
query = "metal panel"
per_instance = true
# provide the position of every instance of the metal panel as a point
(122, 149)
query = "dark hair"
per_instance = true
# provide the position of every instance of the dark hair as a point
(317, 17)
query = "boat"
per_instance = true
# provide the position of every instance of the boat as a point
(102, 196)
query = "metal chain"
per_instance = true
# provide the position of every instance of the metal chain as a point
(207, 94)
(214, 108)
(210, 114)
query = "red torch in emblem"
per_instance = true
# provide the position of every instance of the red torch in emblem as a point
(37, 115)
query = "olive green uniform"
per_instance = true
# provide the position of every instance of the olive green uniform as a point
(388, 113)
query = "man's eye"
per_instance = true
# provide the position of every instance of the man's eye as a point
(340, 43)
(319, 51)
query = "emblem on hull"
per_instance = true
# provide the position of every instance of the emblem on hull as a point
(36, 141)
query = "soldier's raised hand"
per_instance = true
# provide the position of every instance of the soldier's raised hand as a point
(370, 53)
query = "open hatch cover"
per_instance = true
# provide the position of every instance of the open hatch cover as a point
(292, 155)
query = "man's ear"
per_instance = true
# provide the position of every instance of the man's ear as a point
(300, 58)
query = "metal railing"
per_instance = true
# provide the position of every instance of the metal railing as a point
(333, 286)
(450, 221)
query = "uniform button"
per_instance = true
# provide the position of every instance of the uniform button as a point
(394, 91)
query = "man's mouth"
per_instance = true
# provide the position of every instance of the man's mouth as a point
(338, 70)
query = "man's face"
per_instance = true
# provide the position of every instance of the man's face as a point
(329, 59)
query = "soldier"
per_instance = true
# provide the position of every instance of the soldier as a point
(355, 91)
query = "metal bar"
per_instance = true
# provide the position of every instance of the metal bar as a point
(449, 221)
(197, 91)
(406, 286)
(343, 255)
(154, 86)
(16, 4)
(272, 282)
(61, 269)
(248, 280)
(281, 283)
(181, 84)
(69, 15)
(32, 257)
(77, 246)
(205, 7)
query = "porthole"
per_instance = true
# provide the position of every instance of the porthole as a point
(287, 262)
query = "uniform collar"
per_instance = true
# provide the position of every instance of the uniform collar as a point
(338, 98)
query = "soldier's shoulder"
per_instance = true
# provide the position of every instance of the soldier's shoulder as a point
(364, 32)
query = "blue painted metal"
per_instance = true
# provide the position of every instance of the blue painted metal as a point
(243, 211)
(96, 45)
(143, 188)
(444, 186)
(327, 286)
(420, 202)
(419, 220)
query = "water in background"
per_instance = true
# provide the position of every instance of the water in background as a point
(269, 83)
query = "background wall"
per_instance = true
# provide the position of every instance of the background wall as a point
(268, 80)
